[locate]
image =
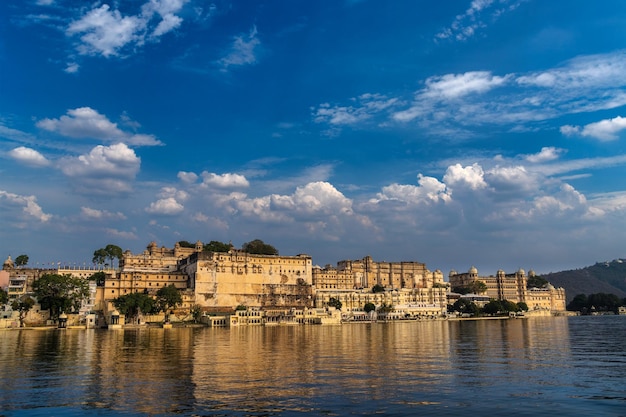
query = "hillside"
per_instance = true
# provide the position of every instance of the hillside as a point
(606, 277)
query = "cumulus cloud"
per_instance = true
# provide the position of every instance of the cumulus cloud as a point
(28, 203)
(85, 122)
(604, 130)
(548, 153)
(104, 170)
(105, 31)
(227, 180)
(29, 157)
(429, 190)
(243, 51)
(165, 206)
(187, 177)
(471, 177)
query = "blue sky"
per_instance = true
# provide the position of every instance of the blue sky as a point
(458, 133)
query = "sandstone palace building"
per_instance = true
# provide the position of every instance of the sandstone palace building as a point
(513, 287)
(222, 281)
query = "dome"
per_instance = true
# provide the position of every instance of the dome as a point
(521, 272)
(473, 270)
(452, 273)
(8, 264)
(531, 273)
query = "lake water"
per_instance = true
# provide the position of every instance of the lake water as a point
(519, 367)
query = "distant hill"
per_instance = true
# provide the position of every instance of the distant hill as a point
(606, 277)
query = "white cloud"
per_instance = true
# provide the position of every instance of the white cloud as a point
(29, 157)
(470, 176)
(165, 206)
(29, 204)
(429, 190)
(242, 51)
(85, 122)
(548, 153)
(187, 177)
(107, 32)
(105, 170)
(366, 105)
(224, 180)
(511, 179)
(604, 130)
(72, 68)
(451, 86)
(172, 192)
(121, 234)
(467, 24)
(96, 214)
(450, 103)
(316, 197)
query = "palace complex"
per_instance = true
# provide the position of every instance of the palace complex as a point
(275, 288)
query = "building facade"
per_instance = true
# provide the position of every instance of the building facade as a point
(512, 287)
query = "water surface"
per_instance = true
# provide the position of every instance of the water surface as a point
(521, 367)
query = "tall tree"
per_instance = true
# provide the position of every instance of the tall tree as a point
(168, 298)
(131, 304)
(4, 297)
(60, 293)
(99, 256)
(21, 260)
(259, 247)
(99, 277)
(216, 246)
(23, 306)
(114, 252)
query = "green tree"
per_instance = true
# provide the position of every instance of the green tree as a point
(186, 244)
(384, 308)
(99, 256)
(196, 312)
(23, 306)
(475, 287)
(378, 288)
(536, 282)
(241, 307)
(510, 306)
(465, 306)
(259, 247)
(522, 306)
(131, 304)
(603, 302)
(369, 307)
(114, 252)
(99, 277)
(215, 246)
(167, 298)
(60, 293)
(335, 302)
(578, 303)
(493, 307)
(4, 297)
(21, 260)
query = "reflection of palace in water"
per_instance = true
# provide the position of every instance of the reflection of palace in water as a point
(275, 289)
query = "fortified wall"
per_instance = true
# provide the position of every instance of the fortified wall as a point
(221, 279)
